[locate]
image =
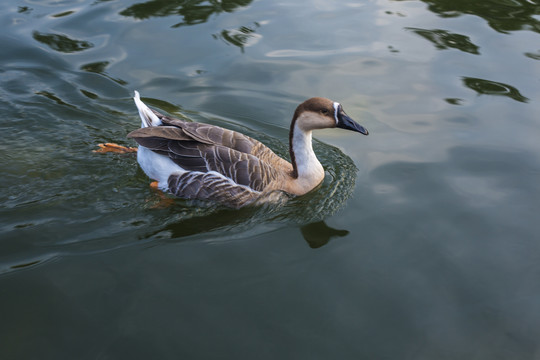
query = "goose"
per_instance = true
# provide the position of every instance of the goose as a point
(206, 162)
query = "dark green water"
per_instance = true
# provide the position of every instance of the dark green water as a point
(422, 243)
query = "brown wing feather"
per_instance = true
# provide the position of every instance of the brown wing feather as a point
(203, 148)
(188, 155)
(215, 135)
(157, 138)
(209, 186)
(165, 132)
(244, 169)
(211, 134)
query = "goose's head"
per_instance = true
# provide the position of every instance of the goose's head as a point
(321, 113)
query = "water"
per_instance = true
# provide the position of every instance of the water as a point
(421, 243)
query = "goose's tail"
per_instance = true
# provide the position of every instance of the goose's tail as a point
(147, 115)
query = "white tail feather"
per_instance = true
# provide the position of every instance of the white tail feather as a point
(147, 116)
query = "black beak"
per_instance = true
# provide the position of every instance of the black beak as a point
(345, 122)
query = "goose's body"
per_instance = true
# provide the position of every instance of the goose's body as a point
(207, 162)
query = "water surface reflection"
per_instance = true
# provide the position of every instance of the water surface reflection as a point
(433, 244)
(502, 15)
(62, 43)
(443, 40)
(487, 87)
(193, 12)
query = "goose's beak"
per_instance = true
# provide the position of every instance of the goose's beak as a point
(345, 122)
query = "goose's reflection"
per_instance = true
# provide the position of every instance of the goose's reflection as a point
(223, 220)
(316, 234)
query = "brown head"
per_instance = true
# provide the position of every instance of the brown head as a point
(320, 113)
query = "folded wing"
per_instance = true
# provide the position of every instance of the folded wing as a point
(205, 148)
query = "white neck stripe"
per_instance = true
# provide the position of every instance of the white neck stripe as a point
(336, 107)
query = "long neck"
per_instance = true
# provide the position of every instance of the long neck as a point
(306, 166)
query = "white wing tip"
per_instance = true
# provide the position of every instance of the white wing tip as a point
(137, 96)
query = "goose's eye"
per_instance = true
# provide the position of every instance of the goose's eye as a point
(324, 111)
